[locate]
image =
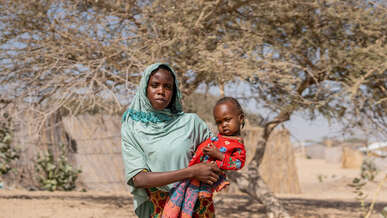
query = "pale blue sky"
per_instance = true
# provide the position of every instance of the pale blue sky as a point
(300, 128)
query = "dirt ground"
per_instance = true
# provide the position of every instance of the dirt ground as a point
(325, 193)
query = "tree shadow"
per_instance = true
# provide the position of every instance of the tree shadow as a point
(228, 205)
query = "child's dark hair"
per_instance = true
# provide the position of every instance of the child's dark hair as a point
(171, 105)
(233, 101)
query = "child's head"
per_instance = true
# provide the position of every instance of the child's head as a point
(229, 116)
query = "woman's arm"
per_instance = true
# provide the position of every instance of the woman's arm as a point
(204, 172)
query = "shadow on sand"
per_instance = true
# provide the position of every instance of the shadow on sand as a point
(228, 205)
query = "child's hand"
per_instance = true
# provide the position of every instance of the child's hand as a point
(212, 151)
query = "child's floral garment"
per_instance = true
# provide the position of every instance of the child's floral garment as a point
(204, 207)
(186, 193)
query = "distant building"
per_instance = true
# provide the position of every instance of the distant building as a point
(377, 148)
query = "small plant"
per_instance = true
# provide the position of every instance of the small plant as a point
(56, 174)
(368, 170)
(368, 173)
(321, 178)
(7, 155)
(358, 185)
(384, 212)
(7, 152)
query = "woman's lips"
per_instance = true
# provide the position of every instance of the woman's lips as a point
(160, 100)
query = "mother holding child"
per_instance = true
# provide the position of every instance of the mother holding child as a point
(172, 161)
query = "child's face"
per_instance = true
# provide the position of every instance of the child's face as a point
(228, 119)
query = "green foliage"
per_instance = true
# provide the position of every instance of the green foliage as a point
(368, 170)
(384, 212)
(7, 152)
(321, 178)
(358, 185)
(56, 174)
(368, 173)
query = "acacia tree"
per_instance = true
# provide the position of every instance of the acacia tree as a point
(318, 56)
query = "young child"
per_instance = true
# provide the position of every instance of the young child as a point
(227, 150)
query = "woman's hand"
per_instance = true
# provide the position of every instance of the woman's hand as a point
(206, 172)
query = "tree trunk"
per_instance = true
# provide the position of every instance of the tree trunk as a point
(251, 182)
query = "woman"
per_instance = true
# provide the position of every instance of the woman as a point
(158, 141)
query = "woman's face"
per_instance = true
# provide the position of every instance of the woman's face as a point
(160, 89)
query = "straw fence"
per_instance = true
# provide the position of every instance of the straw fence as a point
(94, 146)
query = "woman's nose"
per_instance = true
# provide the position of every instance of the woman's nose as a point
(161, 91)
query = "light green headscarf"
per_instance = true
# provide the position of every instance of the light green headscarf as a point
(157, 141)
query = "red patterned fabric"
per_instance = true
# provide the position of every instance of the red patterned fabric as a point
(204, 207)
(187, 193)
(233, 149)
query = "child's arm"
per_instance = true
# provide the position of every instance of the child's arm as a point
(199, 153)
(234, 161)
(212, 151)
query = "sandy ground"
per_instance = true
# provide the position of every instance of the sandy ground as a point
(324, 194)
(321, 179)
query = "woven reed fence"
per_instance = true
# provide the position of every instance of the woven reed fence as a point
(98, 151)
(94, 146)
